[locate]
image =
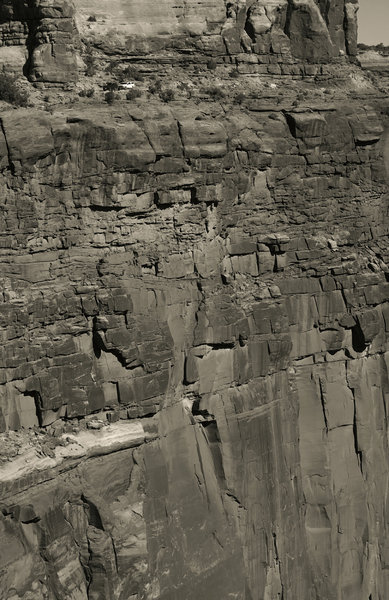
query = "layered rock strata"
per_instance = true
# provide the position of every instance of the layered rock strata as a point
(275, 33)
(194, 315)
(45, 33)
(224, 272)
(304, 29)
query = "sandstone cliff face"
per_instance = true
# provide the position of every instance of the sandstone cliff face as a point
(305, 29)
(195, 306)
(225, 273)
(47, 32)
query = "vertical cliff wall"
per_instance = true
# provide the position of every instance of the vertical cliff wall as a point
(194, 319)
(47, 33)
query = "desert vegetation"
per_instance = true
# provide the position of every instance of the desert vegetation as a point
(11, 91)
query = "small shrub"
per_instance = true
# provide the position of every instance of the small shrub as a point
(167, 95)
(211, 64)
(90, 70)
(90, 63)
(234, 73)
(110, 97)
(92, 19)
(111, 86)
(156, 87)
(184, 89)
(10, 91)
(131, 72)
(113, 68)
(239, 98)
(86, 93)
(214, 92)
(133, 93)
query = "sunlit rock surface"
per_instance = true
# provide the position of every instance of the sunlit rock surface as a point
(44, 36)
(194, 325)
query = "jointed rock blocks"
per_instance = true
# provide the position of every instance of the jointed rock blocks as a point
(286, 30)
(194, 314)
(47, 30)
(226, 275)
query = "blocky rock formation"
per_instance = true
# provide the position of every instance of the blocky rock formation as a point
(278, 32)
(45, 32)
(306, 29)
(194, 303)
(226, 275)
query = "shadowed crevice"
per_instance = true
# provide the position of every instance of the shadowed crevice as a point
(358, 338)
(38, 404)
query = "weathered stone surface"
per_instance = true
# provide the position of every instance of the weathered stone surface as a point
(261, 353)
(48, 31)
(261, 26)
(51, 30)
(194, 315)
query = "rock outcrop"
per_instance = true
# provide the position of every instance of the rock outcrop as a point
(194, 315)
(45, 34)
(226, 275)
(275, 32)
(304, 29)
